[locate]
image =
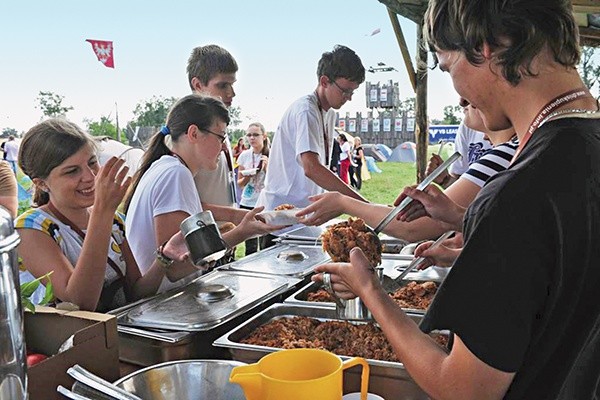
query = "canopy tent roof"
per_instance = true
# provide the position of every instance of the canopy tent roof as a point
(415, 9)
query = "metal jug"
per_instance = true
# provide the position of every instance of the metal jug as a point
(203, 238)
(13, 373)
(353, 309)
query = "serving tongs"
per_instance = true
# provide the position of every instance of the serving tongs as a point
(421, 186)
(394, 284)
(84, 376)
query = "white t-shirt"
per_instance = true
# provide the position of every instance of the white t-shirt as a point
(471, 145)
(166, 187)
(345, 150)
(11, 148)
(251, 191)
(300, 131)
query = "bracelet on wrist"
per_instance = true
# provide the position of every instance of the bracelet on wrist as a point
(162, 259)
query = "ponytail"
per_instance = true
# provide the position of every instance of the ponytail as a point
(156, 150)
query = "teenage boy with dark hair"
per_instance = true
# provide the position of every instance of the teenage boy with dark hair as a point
(522, 298)
(211, 70)
(303, 142)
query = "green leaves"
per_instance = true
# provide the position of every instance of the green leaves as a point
(28, 288)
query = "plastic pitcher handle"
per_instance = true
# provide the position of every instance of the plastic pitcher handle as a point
(364, 376)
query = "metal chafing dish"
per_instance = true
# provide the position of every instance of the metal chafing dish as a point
(393, 265)
(387, 379)
(311, 234)
(182, 323)
(290, 260)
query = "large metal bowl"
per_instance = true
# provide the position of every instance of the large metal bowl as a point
(187, 379)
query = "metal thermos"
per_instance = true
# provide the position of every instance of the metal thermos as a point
(13, 373)
(203, 238)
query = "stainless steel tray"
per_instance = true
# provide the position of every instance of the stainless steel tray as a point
(203, 304)
(388, 379)
(300, 296)
(271, 261)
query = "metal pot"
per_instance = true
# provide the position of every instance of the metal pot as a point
(188, 379)
(13, 382)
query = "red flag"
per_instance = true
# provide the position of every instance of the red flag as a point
(104, 51)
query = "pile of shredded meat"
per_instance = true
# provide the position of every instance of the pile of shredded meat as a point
(339, 337)
(414, 295)
(284, 207)
(340, 238)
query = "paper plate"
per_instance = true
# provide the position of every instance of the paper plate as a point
(249, 172)
(282, 217)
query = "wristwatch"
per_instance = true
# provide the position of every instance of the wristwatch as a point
(162, 259)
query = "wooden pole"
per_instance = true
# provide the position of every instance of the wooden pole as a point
(403, 48)
(422, 126)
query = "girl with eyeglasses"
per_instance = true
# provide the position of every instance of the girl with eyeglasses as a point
(163, 193)
(254, 161)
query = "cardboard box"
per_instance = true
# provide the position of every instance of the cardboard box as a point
(95, 347)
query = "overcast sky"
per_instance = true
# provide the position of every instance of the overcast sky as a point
(276, 43)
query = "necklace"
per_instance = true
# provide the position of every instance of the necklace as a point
(583, 113)
(548, 110)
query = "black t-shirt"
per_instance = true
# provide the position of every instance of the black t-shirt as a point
(524, 295)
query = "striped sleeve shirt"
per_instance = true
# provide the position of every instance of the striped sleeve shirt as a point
(493, 161)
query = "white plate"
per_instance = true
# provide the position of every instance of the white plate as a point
(249, 172)
(281, 217)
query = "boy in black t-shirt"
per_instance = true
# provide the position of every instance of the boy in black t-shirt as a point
(522, 298)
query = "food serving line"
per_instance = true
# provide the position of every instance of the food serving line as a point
(209, 317)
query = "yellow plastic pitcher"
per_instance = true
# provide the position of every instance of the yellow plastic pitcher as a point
(298, 374)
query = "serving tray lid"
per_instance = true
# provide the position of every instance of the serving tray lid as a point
(283, 259)
(206, 302)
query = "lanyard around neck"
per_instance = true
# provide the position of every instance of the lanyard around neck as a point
(325, 134)
(552, 105)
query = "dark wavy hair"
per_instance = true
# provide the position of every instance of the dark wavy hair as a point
(517, 30)
(193, 109)
(341, 62)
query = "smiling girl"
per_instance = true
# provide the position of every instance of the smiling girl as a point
(75, 231)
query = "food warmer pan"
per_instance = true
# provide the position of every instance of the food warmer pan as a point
(183, 323)
(387, 379)
(289, 260)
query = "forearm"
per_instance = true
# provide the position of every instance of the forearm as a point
(235, 236)
(224, 213)
(326, 179)
(86, 281)
(426, 364)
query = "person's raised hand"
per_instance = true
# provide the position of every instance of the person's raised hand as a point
(352, 279)
(432, 202)
(111, 184)
(434, 162)
(324, 207)
(441, 256)
(253, 226)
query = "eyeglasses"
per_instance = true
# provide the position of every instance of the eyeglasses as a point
(221, 137)
(253, 134)
(345, 92)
